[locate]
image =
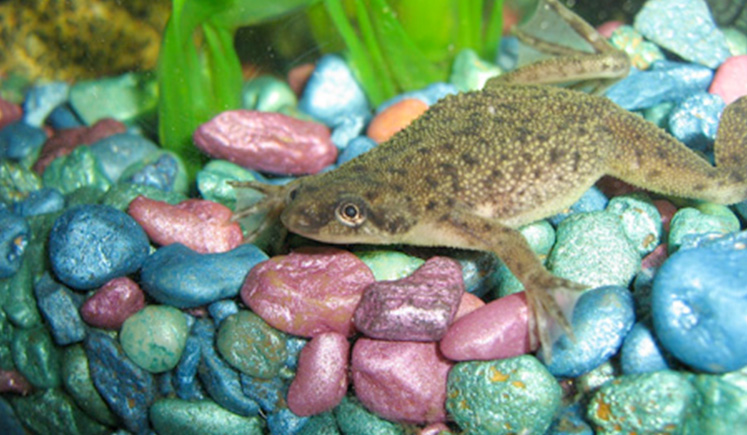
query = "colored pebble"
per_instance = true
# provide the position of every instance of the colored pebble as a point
(349, 129)
(724, 401)
(513, 395)
(16, 181)
(354, 148)
(429, 95)
(267, 94)
(14, 237)
(221, 310)
(592, 200)
(641, 352)
(332, 94)
(113, 303)
(63, 116)
(163, 170)
(640, 220)
(267, 141)
(78, 169)
(570, 421)
(401, 380)
(59, 306)
(121, 195)
(118, 151)
(42, 99)
(91, 244)
(467, 304)
(469, 72)
(251, 346)
(154, 337)
(126, 97)
(728, 82)
(353, 417)
(655, 402)
(201, 225)
(694, 121)
(182, 417)
(36, 356)
(270, 394)
(389, 265)
(641, 53)
(690, 221)
(14, 382)
(284, 421)
(395, 118)
(9, 113)
(497, 330)
(54, 412)
(601, 320)
(478, 270)
(697, 301)
(309, 291)
(417, 308)
(212, 181)
(20, 304)
(684, 27)
(322, 377)
(592, 249)
(736, 40)
(44, 200)
(185, 382)
(20, 140)
(76, 378)
(175, 275)
(128, 389)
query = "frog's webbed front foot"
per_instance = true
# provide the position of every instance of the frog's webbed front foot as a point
(258, 205)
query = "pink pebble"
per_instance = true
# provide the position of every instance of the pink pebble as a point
(298, 76)
(498, 330)
(468, 304)
(666, 210)
(201, 225)
(401, 380)
(605, 29)
(322, 376)
(267, 141)
(12, 381)
(9, 113)
(730, 80)
(417, 308)
(309, 291)
(656, 258)
(113, 303)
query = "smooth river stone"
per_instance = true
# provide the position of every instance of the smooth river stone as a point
(113, 303)
(251, 346)
(154, 337)
(309, 291)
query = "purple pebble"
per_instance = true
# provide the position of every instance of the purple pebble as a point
(113, 303)
(419, 307)
(322, 376)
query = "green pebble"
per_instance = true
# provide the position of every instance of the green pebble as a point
(36, 357)
(592, 249)
(121, 195)
(212, 181)
(16, 182)
(77, 169)
(659, 114)
(320, 424)
(709, 219)
(124, 98)
(181, 182)
(154, 337)
(84, 195)
(267, 94)
(658, 402)
(6, 342)
(642, 53)
(51, 411)
(354, 419)
(389, 265)
(541, 237)
(251, 346)
(640, 220)
(469, 72)
(514, 395)
(76, 378)
(182, 417)
(723, 407)
(735, 40)
(20, 302)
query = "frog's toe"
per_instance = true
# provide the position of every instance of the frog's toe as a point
(258, 206)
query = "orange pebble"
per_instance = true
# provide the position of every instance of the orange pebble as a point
(394, 118)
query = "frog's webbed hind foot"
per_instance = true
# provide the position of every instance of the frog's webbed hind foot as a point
(258, 206)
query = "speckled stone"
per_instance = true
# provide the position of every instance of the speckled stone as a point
(181, 417)
(354, 148)
(76, 378)
(65, 141)
(78, 169)
(42, 201)
(285, 421)
(389, 265)
(41, 99)
(694, 121)
(270, 394)
(184, 380)
(21, 142)
(154, 337)
(469, 72)
(36, 357)
(10, 424)
(161, 169)
(353, 418)
(478, 271)
(648, 403)
(640, 220)
(503, 397)
(641, 352)
(592, 249)
(125, 97)
(251, 346)
(52, 411)
(62, 117)
(59, 306)
(723, 406)
(592, 200)
(321, 424)
(221, 310)
(20, 304)
(212, 181)
(16, 182)
(113, 303)
(14, 237)
(120, 195)
(267, 94)
(118, 151)
(642, 53)
(570, 421)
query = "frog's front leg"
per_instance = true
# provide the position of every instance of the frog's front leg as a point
(551, 299)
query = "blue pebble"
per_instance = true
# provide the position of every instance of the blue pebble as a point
(718, 241)
(92, 244)
(268, 393)
(332, 94)
(185, 373)
(294, 345)
(19, 140)
(42, 99)
(429, 95)
(126, 388)
(219, 310)
(160, 174)
(14, 237)
(59, 306)
(695, 121)
(219, 379)
(601, 320)
(349, 129)
(116, 152)
(284, 422)
(42, 201)
(178, 276)
(698, 303)
(665, 81)
(570, 421)
(508, 53)
(592, 200)
(356, 147)
(641, 353)
(9, 423)
(165, 384)
(62, 117)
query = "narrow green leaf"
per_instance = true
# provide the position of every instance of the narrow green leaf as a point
(492, 38)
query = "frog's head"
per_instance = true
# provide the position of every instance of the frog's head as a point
(335, 209)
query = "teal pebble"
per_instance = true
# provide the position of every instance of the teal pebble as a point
(640, 219)
(541, 237)
(642, 53)
(182, 417)
(77, 169)
(121, 195)
(267, 94)
(478, 270)
(659, 113)
(690, 221)
(251, 346)
(469, 72)
(51, 411)
(389, 265)
(320, 424)
(84, 195)
(655, 402)
(735, 40)
(6, 341)
(723, 406)
(353, 418)
(20, 304)
(594, 379)
(36, 357)
(180, 182)
(76, 378)
(212, 181)
(154, 337)
(16, 181)
(125, 97)
(592, 249)
(515, 395)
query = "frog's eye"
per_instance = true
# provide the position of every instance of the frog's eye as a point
(350, 214)
(293, 193)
